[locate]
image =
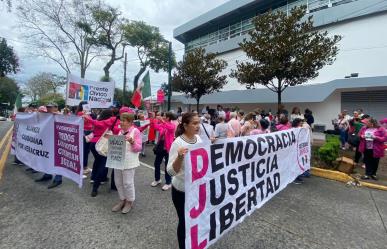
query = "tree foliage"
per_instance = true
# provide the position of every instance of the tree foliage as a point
(109, 34)
(284, 50)
(198, 74)
(52, 97)
(60, 30)
(9, 62)
(152, 48)
(44, 84)
(7, 3)
(119, 96)
(8, 90)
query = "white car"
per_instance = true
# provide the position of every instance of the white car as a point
(3, 119)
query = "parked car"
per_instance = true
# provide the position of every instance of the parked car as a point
(3, 119)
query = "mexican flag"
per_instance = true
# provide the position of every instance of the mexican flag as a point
(143, 90)
(18, 104)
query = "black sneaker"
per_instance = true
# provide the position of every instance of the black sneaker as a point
(44, 178)
(54, 185)
(374, 177)
(94, 193)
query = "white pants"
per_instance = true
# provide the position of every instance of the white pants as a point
(124, 180)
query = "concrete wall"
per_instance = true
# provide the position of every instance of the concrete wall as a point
(363, 50)
(323, 112)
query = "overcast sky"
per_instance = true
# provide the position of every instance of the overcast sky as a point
(165, 14)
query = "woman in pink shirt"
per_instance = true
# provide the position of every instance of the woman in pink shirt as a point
(124, 178)
(283, 124)
(372, 138)
(166, 128)
(99, 174)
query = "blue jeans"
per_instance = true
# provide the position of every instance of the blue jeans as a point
(343, 136)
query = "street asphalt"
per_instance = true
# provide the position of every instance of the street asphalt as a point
(317, 214)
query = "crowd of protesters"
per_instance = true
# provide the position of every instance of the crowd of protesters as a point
(171, 133)
(365, 135)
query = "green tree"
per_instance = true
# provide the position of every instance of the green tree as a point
(9, 62)
(8, 90)
(53, 97)
(60, 30)
(44, 84)
(152, 48)
(119, 96)
(284, 50)
(198, 74)
(109, 35)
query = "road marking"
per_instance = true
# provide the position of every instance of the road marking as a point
(5, 156)
(6, 137)
(150, 167)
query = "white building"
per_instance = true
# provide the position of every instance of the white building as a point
(363, 54)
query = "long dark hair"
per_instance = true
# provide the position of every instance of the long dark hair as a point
(80, 106)
(105, 114)
(185, 119)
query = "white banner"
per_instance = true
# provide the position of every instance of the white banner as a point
(116, 152)
(227, 181)
(50, 143)
(97, 94)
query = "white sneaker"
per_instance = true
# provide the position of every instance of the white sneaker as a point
(166, 187)
(155, 183)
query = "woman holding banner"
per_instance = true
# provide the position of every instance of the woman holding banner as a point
(186, 135)
(124, 178)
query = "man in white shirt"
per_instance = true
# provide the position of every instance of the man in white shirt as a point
(206, 130)
(221, 113)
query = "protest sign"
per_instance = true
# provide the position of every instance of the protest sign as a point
(49, 143)
(227, 181)
(97, 94)
(68, 148)
(116, 152)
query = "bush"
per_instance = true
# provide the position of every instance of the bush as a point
(330, 150)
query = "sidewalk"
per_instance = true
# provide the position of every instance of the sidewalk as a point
(319, 140)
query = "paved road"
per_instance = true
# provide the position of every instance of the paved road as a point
(317, 214)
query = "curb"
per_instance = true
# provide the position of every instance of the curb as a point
(342, 177)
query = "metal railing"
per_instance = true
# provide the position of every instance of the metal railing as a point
(242, 27)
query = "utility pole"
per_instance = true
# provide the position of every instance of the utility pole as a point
(169, 76)
(124, 90)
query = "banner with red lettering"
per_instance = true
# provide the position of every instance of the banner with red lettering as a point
(50, 143)
(227, 181)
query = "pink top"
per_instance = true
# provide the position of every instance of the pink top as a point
(100, 127)
(378, 141)
(87, 124)
(234, 128)
(137, 145)
(282, 127)
(166, 129)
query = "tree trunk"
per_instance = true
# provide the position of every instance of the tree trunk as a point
(83, 72)
(137, 77)
(109, 65)
(197, 105)
(279, 100)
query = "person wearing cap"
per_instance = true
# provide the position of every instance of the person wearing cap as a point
(206, 131)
